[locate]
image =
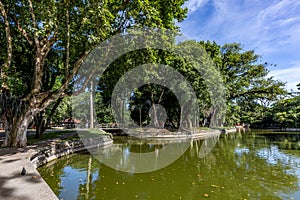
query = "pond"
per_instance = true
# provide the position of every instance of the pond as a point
(251, 165)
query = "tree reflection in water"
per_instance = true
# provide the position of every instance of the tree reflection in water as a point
(242, 165)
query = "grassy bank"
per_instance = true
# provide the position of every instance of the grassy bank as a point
(66, 135)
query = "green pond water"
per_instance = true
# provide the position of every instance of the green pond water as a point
(251, 165)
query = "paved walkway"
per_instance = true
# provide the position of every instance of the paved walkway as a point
(14, 186)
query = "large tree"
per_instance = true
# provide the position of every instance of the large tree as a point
(249, 88)
(190, 60)
(284, 113)
(69, 30)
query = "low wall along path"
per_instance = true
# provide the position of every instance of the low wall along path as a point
(31, 186)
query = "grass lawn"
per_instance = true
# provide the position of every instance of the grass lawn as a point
(85, 133)
(63, 134)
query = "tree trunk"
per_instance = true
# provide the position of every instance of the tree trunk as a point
(185, 118)
(154, 116)
(42, 122)
(40, 125)
(140, 116)
(154, 120)
(16, 129)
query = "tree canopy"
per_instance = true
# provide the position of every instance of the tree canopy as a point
(249, 90)
(245, 75)
(46, 42)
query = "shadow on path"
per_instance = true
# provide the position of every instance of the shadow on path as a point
(10, 192)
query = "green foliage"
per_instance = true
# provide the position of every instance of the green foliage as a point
(62, 111)
(80, 23)
(50, 39)
(146, 96)
(249, 89)
(286, 112)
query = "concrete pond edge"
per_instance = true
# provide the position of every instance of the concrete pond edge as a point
(59, 149)
(14, 186)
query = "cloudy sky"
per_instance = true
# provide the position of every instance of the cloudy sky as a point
(270, 27)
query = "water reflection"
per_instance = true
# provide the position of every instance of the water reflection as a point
(241, 166)
(141, 156)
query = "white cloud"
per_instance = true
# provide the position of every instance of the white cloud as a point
(194, 5)
(262, 25)
(271, 28)
(289, 75)
(279, 9)
(289, 21)
(281, 21)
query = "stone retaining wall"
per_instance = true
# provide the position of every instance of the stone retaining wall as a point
(58, 149)
(182, 135)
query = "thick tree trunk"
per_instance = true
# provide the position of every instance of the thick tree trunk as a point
(17, 114)
(40, 124)
(16, 129)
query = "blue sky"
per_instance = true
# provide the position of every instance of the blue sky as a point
(270, 27)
